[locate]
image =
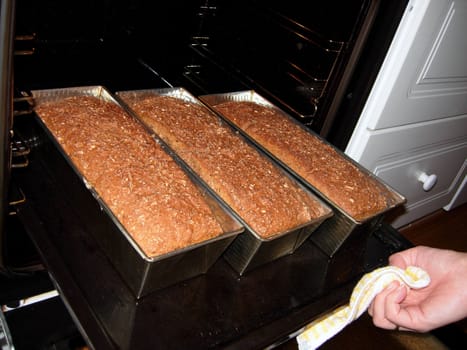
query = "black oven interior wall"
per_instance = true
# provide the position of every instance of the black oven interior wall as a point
(294, 52)
(314, 59)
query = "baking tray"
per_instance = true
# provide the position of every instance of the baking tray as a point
(332, 235)
(144, 274)
(248, 250)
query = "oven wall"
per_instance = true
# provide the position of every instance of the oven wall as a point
(301, 56)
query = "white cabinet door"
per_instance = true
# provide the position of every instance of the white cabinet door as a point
(425, 74)
(416, 114)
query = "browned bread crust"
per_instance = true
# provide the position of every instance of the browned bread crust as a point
(254, 187)
(146, 190)
(342, 182)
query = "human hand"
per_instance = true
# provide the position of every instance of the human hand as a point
(442, 302)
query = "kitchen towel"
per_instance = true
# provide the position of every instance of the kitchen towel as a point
(324, 328)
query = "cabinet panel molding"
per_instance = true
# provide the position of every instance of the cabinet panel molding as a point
(444, 70)
(388, 145)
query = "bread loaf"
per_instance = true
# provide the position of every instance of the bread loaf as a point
(342, 182)
(146, 190)
(253, 186)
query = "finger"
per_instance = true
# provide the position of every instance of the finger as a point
(378, 307)
(370, 309)
(405, 317)
(394, 312)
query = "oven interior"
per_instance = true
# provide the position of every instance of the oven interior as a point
(309, 61)
(316, 64)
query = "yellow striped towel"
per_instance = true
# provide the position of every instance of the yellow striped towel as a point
(372, 283)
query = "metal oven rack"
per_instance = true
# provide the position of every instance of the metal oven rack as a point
(307, 60)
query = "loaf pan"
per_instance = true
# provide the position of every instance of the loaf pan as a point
(332, 235)
(143, 274)
(249, 250)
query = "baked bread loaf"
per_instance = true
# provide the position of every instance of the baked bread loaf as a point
(149, 193)
(253, 186)
(355, 192)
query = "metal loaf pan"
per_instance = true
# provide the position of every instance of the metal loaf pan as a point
(341, 231)
(249, 250)
(142, 273)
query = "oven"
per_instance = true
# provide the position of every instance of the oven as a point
(316, 61)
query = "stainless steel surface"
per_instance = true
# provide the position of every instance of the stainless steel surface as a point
(143, 273)
(248, 250)
(6, 343)
(47, 95)
(331, 235)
